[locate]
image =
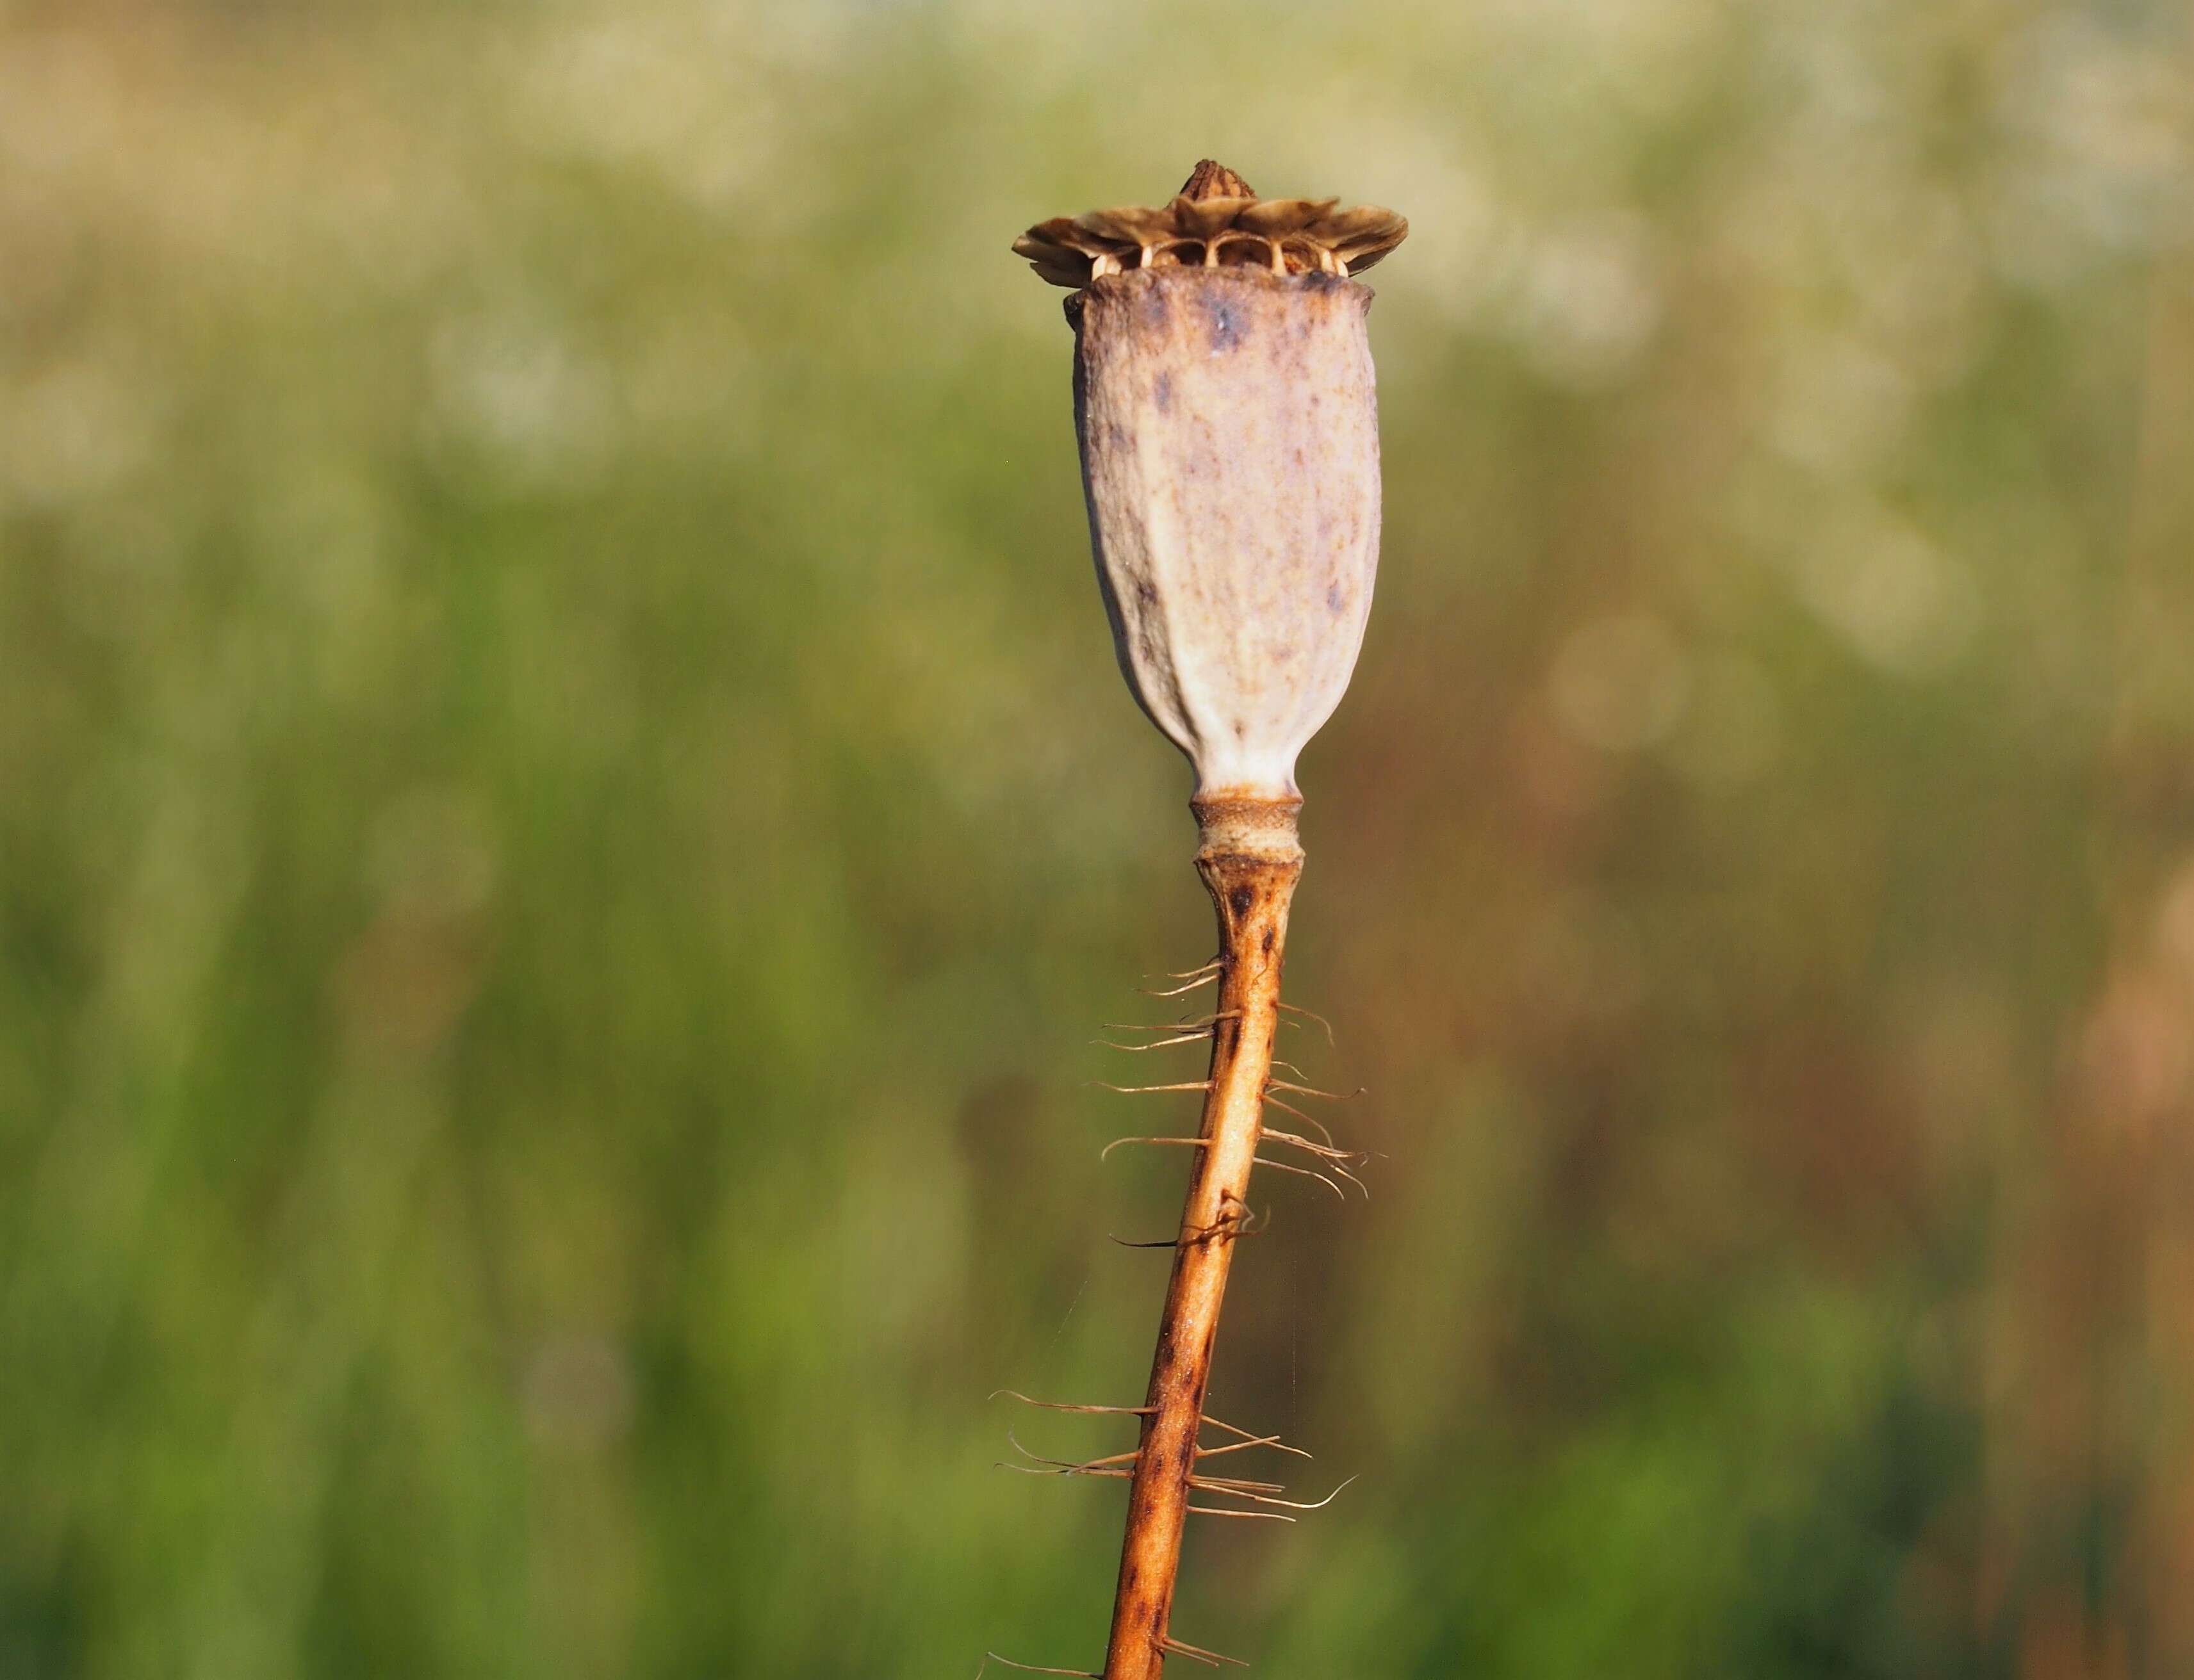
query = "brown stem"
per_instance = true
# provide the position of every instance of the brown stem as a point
(1250, 863)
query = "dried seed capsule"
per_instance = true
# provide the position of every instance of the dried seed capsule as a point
(1225, 401)
(1229, 450)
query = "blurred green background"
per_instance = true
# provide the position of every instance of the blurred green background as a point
(567, 821)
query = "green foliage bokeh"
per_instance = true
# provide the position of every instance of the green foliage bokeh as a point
(567, 820)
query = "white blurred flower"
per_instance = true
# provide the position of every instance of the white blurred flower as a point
(512, 385)
(1587, 299)
(1899, 599)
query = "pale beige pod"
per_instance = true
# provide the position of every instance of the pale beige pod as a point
(1228, 419)
(1230, 452)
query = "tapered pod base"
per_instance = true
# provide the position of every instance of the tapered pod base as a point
(1250, 863)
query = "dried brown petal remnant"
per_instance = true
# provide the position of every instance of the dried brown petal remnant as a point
(1214, 220)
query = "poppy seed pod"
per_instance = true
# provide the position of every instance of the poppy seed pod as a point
(1228, 420)
(1230, 454)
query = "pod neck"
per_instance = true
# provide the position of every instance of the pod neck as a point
(1249, 827)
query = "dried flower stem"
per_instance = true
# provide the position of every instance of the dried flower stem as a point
(1226, 410)
(1250, 867)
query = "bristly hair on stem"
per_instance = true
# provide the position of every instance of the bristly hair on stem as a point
(1251, 893)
